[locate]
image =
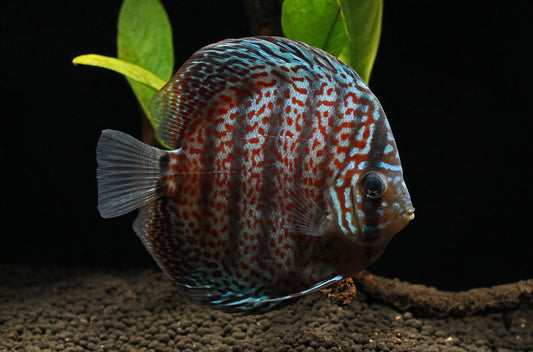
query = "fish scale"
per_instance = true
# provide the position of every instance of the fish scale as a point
(266, 195)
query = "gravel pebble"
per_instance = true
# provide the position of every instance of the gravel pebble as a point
(44, 309)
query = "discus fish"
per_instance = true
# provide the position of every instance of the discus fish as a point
(283, 175)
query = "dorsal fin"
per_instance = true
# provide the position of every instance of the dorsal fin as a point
(198, 86)
(203, 86)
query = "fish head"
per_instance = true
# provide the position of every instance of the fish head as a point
(368, 201)
(383, 206)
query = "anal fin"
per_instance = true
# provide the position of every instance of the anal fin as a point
(234, 303)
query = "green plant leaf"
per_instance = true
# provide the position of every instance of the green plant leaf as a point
(348, 29)
(145, 39)
(129, 70)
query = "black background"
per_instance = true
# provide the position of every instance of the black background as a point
(455, 82)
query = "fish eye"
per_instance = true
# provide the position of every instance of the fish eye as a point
(373, 185)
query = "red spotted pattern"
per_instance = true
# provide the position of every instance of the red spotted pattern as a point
(262, 127)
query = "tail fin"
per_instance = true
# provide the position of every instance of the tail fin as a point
(128, 173)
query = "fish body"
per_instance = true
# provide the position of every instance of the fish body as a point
(283, 175)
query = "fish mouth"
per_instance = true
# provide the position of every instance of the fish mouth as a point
(409, 214)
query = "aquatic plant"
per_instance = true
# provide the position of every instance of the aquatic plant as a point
(347, 29)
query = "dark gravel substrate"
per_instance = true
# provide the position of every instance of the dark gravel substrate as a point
(44, 309)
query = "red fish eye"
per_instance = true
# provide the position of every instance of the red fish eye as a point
(373, 185)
